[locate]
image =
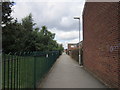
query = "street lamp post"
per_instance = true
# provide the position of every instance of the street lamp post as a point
(79, 39)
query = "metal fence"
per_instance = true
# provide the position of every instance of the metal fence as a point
(25, 70)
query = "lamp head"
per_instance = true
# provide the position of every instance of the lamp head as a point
(76, 17)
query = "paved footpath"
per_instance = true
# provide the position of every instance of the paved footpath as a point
(66, 73)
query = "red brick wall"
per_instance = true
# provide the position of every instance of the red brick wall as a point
(70, 46)
(101, 41)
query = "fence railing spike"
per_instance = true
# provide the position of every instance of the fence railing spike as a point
(23, 68)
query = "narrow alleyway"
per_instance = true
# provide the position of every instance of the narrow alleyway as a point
(66, 73)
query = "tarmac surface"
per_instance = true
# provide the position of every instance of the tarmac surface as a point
(67, 73)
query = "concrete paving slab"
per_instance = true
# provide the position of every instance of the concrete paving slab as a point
(66, 73)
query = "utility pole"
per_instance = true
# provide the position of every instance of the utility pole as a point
(79, 41)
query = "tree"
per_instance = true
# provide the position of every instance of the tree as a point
(30, 33)
(45, 38)
(6, 12)
(27, 23)
(6, 25)
(25, 36)
(13, 37)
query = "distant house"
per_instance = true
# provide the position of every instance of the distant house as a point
(72, 46)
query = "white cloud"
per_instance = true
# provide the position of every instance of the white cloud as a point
(66, 21)
(57, 15)
(20, 10)
(47, 1)
(68, 35)
(61, 35)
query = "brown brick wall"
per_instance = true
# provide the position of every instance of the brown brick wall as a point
(101, 41)
(72, 48)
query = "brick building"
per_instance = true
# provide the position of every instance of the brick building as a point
(72, 46)
(101, 43)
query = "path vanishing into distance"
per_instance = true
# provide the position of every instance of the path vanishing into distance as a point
(66, 73)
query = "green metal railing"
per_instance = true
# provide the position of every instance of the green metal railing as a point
(25, 70)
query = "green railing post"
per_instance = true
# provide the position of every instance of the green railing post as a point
(17, 73)
(8, 69)
(35, 71)
(22, 70)
(11, 70)
(19, 63)
(4, 69)
(14, 70)
(24, 80)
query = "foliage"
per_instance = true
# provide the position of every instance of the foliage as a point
(6, 12)
(27, 23)
(25, 36)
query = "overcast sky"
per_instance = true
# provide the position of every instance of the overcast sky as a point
(57, 15)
